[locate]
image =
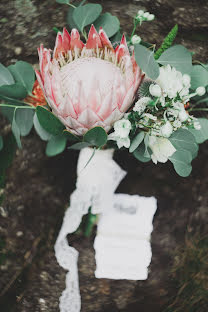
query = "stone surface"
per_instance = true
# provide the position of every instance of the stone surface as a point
(38, 188)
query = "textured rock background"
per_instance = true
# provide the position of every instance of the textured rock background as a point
(38, 188)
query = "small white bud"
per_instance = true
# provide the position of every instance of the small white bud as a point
(135, 39)
(200, 91)
(140, 13)
(186, 80)
(155, 90)
(183, 115)
(197, 125)
(146, 15)
(166, 129)
(151, 17)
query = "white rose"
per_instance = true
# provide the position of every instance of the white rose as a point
(161, 148)
(155, 90)
(122, 128)
(166, 130)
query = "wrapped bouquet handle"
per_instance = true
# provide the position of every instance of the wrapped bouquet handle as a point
(97, 181)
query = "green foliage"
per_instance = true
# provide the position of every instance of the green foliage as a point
(86, 14)
(5, 76)
(23, 74)
(189, 275)
(43, 134)
(69, 19)
(15, 91)
(49, 121)
(63, 1)
(24, 120)
(137, 140)
(139, 153)
(181, 161)
(179, 57)
(96, 137)
(80, 145)
(56, 145)
(16, 130)
(1, 143)
(144, 88)
(109, 23)
(168, 41)
(71, 137)
(202, 134)
(199, 77)
(145, 60)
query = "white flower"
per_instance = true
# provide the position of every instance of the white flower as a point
(166, 130)
(178, 106)
(122, 128)
(186, 80)
(136, 39)
(200, 91)
(140, 13)
(141, 104)
(155, 90)
(161, 148)
(151, 17)
(177, 123)
(150, 116)
(171, 82)
(183, 115)
(146, 14)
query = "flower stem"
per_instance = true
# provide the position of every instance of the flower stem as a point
(134, 29)
(71, 5)
(91, 221)
(199, 109)
(15, 106)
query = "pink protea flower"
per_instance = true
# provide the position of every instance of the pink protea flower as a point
(91, 84)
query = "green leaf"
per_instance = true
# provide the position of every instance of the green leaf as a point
(146, 144)
(80, 145)
(63, 1)
(8, 152)
(70, 20)
(202, 134)
(168, 41)
(109, 23)
(96, 136)
(43, 134)
(1, 143)
(139, 153)
(5, 76)
(146, 61)
(181, 162)
(49, 121)
(16, 131)
(8, 112)
(15, 91)
(179, 57)
(183, 139)
(23, 74)
(56, 145)
(86, 14)
(70, 136)
(24, 120)
(199, 77)
(10, 100)
(136, 141)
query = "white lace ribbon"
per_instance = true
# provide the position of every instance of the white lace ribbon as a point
(95, 188)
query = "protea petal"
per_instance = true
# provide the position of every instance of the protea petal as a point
(104, 39)
(75, 40)
(93, 40)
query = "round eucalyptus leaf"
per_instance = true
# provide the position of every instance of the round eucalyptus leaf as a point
(6, 77)
(109, 23)
(49, 121)
(199, 77)
(96, 136)
(23, 74)
(24, 120)
(56, 145)
(86, 14)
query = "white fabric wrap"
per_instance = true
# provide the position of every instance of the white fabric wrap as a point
(122, 245)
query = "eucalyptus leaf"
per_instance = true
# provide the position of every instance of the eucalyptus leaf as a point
(70, 136)
(202, 134)
(96, 136)
(69, 18)
(8, 112)
(23, 74)
(146, 61)
(43, 134)
(16, 131)
(139, 153)
(179, 57)
(136, 141)
(63, 1)
(181, 162)
(183, 139)
(5, 76)
(24, 120)
(14, 91)
(1, 143)
(80, 145)
(56, 145)
(199, 77)
(109, 23)
(49, 121)
(86, 14)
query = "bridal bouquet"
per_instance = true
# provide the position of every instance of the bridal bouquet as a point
(101, 92)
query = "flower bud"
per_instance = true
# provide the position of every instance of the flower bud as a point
(146, 15)
(155, 90)
(135, 39)
(200, 91)
(186, 80)
(151, 17)
(140, 13)
(183, 115)
(166, 130)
